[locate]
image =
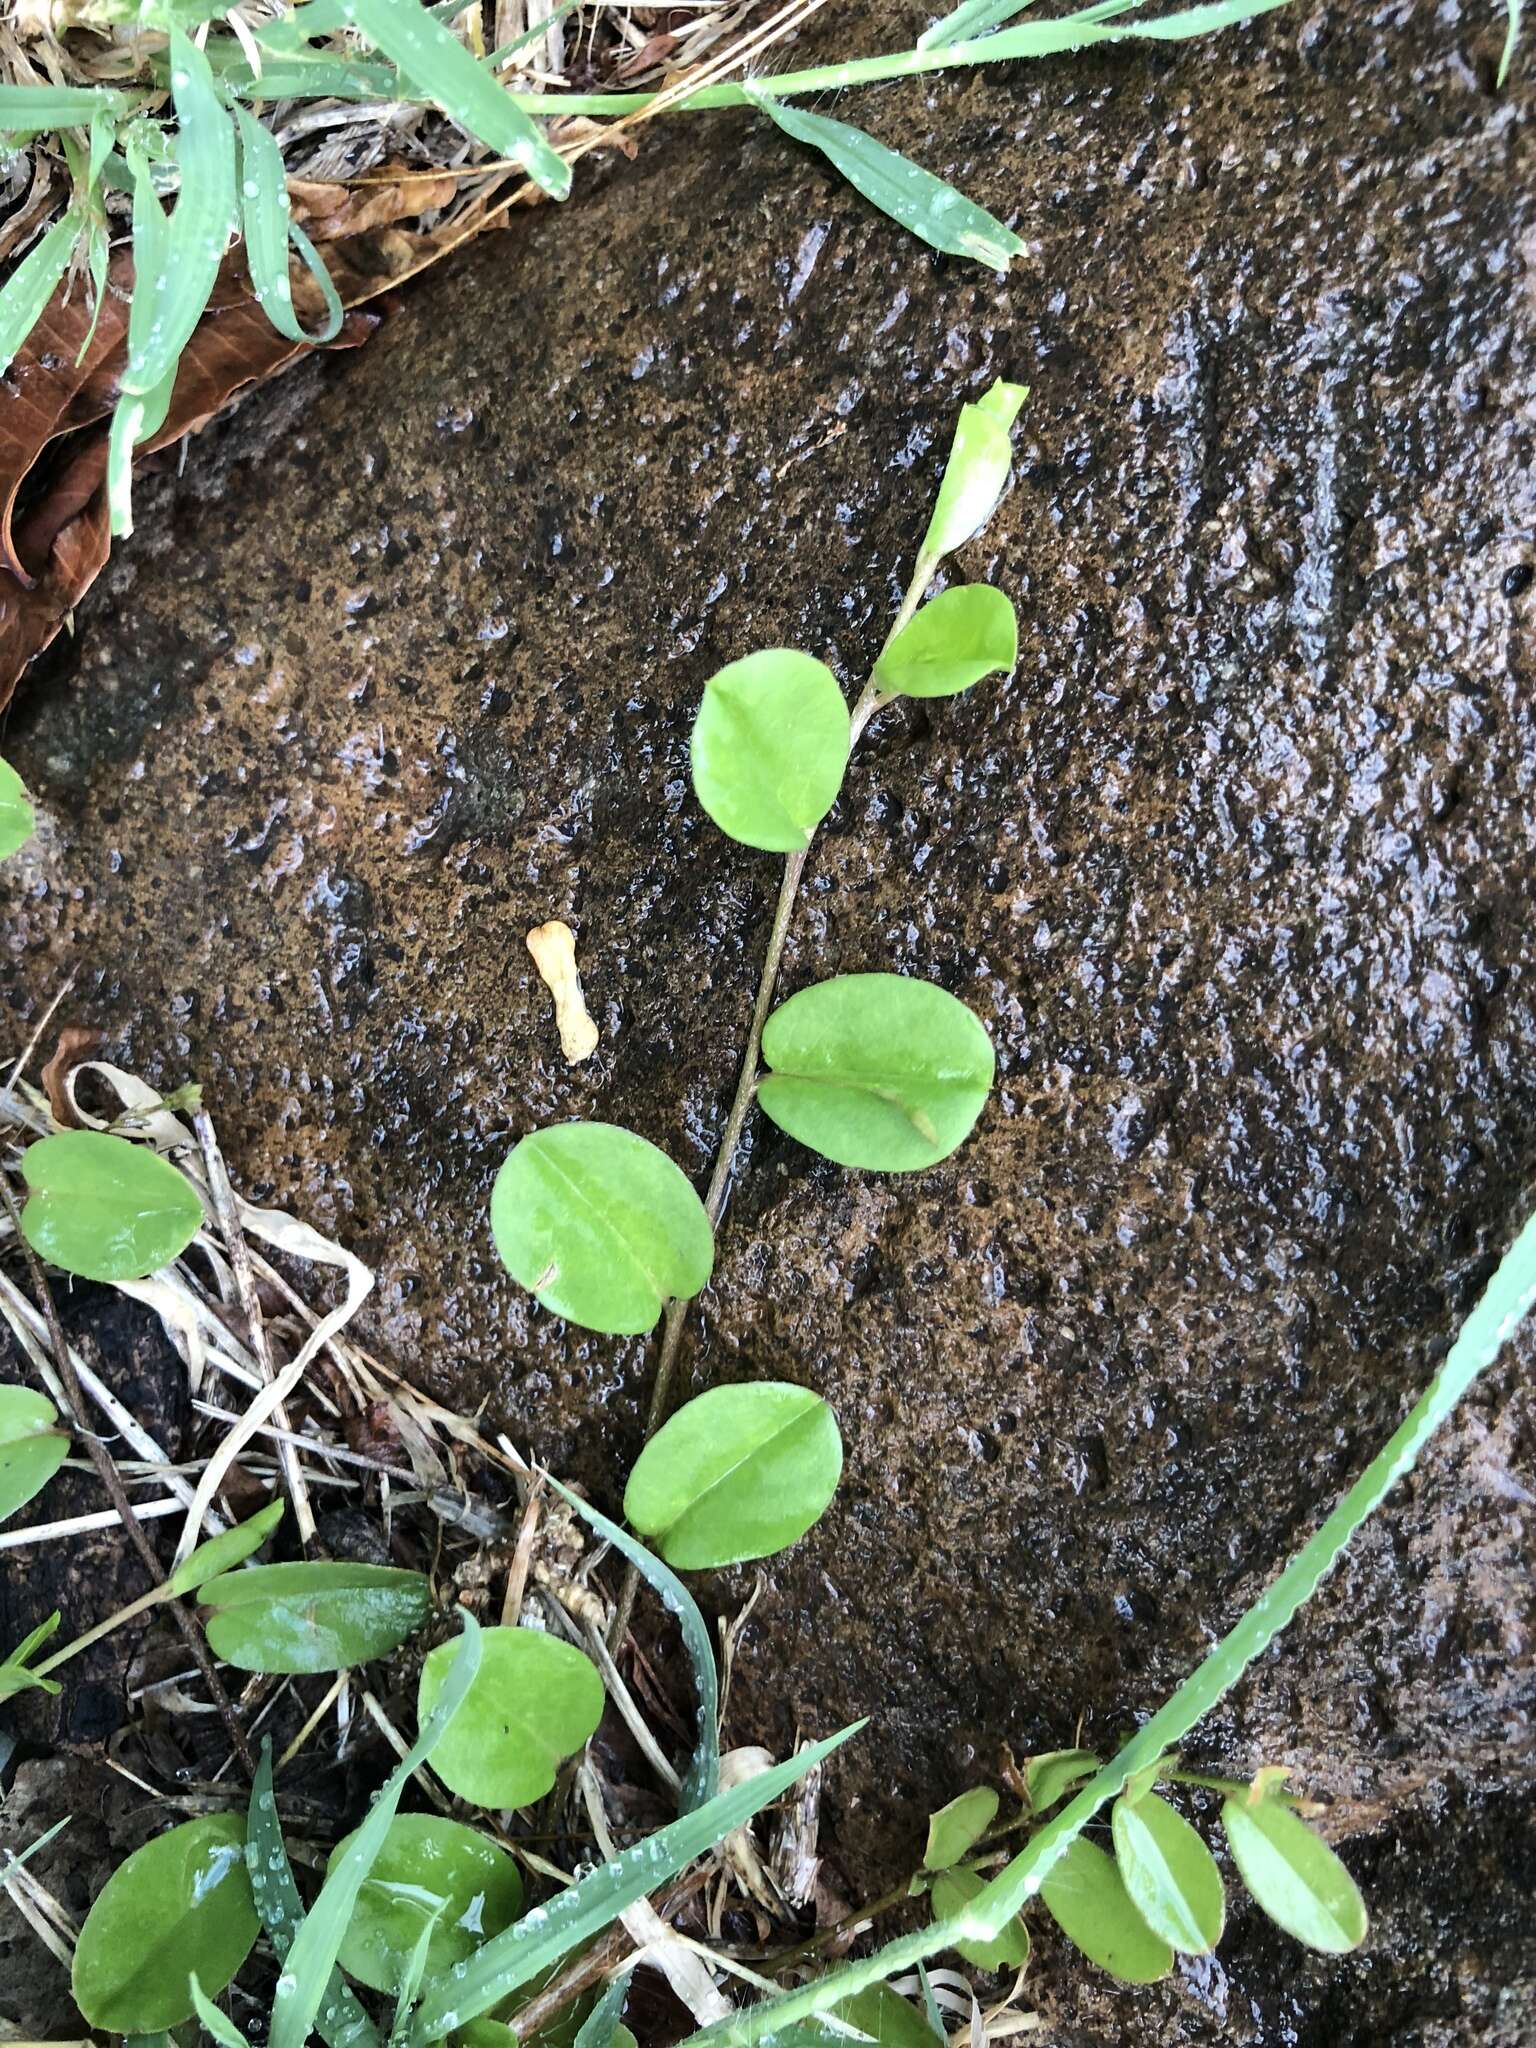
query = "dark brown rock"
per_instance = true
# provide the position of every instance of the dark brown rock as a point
(1238, 870)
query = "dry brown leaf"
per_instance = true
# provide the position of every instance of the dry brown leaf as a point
(54, 538)
(75, 1044)
(328, 213)
(54, 528)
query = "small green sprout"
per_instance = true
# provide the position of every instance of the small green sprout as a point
(1160, 1892)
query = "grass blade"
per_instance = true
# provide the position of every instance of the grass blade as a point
(176, 260)
(975, 18)
(439, 65)
(215, 2023)
(41, 109)
(1499, 1311)
(935, 212)
(543, 1936)
(415, 1970)
(268, 229)
(302, 1986)
(304, 74)
(601, 2024)
(1511, 39)
(703, 1779)
(134, 421)
(970, 18)
(1198, 21)
(341, 2020)
(32, 284)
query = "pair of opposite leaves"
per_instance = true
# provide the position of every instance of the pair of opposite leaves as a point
(874, 1071)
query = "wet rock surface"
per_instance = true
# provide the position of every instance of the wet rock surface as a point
(1237, 869)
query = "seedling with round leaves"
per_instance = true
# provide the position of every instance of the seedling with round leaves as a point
(220, 1553)
(1154, 1890)
(877, 1072)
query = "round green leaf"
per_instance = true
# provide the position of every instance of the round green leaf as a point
(32, 1446)
(1049, 1776)
(1085, 1895)
(1294, 1876)
(534, 1702)
(738, 1473)
(1169, 1873)
(223, 1552)
(963, 635)
(312, 1617)
(104, 1208)
(881, 2013)
(427, 1867)
(953, 1891)
(181, 1903)
(17, 819)
(770, 745)
(955, 1828)
(600, 1226)
(876, 1071)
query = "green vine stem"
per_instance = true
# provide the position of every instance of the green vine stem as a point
(870, 701)
(1503, 1305)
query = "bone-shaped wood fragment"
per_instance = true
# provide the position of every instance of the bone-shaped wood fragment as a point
(553, 947)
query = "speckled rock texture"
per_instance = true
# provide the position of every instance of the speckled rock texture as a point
(1238, 869)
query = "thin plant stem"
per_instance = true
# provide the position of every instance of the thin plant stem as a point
(224, 1208)
(155, 1597)
(111, 1479)
(870, 700)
